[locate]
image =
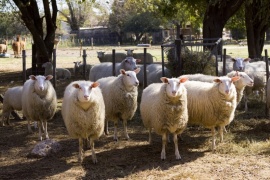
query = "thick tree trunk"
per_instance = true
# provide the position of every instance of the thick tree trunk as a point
(256, 26)
(217, 15)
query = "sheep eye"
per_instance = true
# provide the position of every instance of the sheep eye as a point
(128, 75)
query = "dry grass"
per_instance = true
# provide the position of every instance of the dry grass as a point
(243, 155)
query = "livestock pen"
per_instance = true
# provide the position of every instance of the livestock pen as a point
(243, 155)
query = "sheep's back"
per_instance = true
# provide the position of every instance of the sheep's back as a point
(12, 99)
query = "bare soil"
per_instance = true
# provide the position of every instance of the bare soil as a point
(243, 155)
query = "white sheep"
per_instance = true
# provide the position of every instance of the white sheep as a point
(109, 57)
(149, 57)
(83, 111)
(61, 73)
(78, 68)
(12, 101)
(39, 102)
(212, 104)
(240, 85)
(120, 96)
(105, 69)
(164, 108)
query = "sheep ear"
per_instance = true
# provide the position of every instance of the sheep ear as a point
(247, 59)
(32, 77)
(76, 85)
(217, 80)
(137, 70)
(164, 79)
(183, 79)
(95, 84)
(138, 60)
(49, 77)
(233, 59)
(236, 78)
(122, 71)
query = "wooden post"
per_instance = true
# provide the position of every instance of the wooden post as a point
(24, 65)
(224, 64)
(54, 68)
(144, 70)
(84, 64)
(34, 60)
(178, 55)
(267, 77)
(113, 62)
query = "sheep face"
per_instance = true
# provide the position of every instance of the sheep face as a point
(225, 84)
(40, 84)
(129, 52)
(130, 63)
(239, 63)
(129, 77)
(77, 64)
(84, 91)
(245, 80)
(174, 86)
(100, 54)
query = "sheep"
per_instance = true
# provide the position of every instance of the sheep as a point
(12, 101)
(164, 108)
(83, 111)
(257, 72)
(120, 96)
(39, 102)
(149, 57)
(240, 63)
(61, 73)
(78, 68)
(212, 104)
(105, 69)
(240, 85)
(109, 57)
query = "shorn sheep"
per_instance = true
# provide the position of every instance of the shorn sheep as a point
(120, 96)
(78, 68)
(105, 69)
(164, 108)
(212, 104)
(83, 111)
(149, 57)
(61, 73)
(12, 101)
(109, 57)
(39, 102)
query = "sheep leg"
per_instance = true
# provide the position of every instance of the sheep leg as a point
(175, 140)
(221, 128)
(213, 138)
(94, 157)
(40, 130)
(125, 129)
(115, 130)
(29, 126)
(106, 130)
(164, 141)
(150, 135)
(80, 157)
(44, 125)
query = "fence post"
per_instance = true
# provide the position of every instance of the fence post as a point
(162, 60)
(144, 70)
(24, 65)
(34, 60)
(267, 77)
(54, 67)
(178, 54)
(84, 64)
(224, 63)
(113, 62)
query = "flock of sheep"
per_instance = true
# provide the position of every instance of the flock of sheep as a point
(168, 105)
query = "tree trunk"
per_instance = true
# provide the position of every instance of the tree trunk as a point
(34, 23)
(256, 26)
(217, 15)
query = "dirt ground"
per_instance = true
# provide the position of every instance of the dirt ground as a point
(243, 155)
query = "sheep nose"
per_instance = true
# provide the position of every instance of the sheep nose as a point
(227, 91)
(86, 96)
(241, 68)
(173, 92)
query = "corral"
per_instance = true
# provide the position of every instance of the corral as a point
(243, 155)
